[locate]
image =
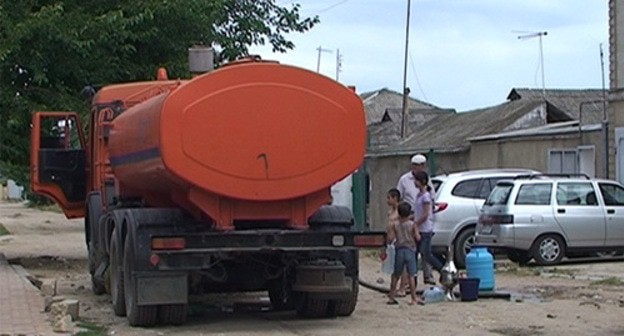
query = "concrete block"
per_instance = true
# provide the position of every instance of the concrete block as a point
(65, 307)
(50, 300)
(48, 287)
(63, 324)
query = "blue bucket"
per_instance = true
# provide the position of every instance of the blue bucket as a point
(469, 289)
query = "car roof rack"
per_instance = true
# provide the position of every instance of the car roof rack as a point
(537, 176)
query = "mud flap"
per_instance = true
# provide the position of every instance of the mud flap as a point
(160, 290)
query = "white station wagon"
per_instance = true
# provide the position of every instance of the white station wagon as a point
(546, 217)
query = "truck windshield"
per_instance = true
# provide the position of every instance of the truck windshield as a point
(499, 195)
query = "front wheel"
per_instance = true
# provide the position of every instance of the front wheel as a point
(548, 250)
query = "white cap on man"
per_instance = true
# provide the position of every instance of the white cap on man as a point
(419, 159)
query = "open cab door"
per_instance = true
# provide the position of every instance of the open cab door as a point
(58, 160)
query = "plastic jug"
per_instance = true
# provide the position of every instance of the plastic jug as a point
(387, 265)
(480, 265)
(434, 294)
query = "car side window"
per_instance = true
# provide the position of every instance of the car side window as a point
(467, 188)
(612, 194)
(576, 193)
(489, 184)
(534, 194)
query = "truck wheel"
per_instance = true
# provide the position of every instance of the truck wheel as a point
(548, 250)
(117, 276)
(463, 243)
(280, 295)
(311, 307)
(138, 316)
(174, 314)
(347, 306)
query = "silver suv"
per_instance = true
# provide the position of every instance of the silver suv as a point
(547, 217)
(459, 197)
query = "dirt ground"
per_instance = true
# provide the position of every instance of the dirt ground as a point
(572, 299)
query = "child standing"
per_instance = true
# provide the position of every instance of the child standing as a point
(393, 199)
(423, 209)
(405, 235)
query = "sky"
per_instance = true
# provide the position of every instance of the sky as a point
(463, 54)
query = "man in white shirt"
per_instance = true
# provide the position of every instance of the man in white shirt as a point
(409, 191)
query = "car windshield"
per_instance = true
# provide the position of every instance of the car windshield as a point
(499, 195)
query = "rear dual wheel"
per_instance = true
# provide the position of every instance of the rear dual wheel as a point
(141, 316)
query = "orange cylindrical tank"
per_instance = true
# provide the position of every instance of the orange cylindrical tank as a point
(254, 131)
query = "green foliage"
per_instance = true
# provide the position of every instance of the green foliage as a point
(3, 230)
(90, 329)
(611, 281)
(51, 49)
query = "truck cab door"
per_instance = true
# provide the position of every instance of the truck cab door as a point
(58, 160)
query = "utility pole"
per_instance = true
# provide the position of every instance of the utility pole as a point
(605, 115)
(338, 64)
(405, 89)
(539, 35)
(318, 60)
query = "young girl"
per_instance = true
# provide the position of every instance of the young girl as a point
(422, 212)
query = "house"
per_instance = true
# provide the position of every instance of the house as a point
(525, 132)
(616, 91)
(377, 102)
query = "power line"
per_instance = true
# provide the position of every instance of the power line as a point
(417, 80)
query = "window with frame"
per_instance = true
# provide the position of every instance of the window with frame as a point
(534, 194)
(576, 193)
(467, 188)
(612, 194)
(562, 161)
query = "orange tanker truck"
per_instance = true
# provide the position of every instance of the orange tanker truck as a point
(220, 183)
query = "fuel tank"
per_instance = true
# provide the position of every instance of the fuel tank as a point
(253, 131)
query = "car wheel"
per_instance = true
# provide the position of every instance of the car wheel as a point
(548, 250)
(463, 243)
(520, 257)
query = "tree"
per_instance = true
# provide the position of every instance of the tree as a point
(50, 50)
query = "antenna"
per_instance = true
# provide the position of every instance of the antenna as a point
(318, 60)
(532, 35)
(338, 64)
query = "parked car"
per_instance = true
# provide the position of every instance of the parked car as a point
(546, 217)
(459, 197)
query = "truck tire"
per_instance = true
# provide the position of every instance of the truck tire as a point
(174, 314)
(92, 216)
(463, 241)
(347, 306)
(280, 295)
(138, 316)
(311, 307)
(117, 276)
(329, 216)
